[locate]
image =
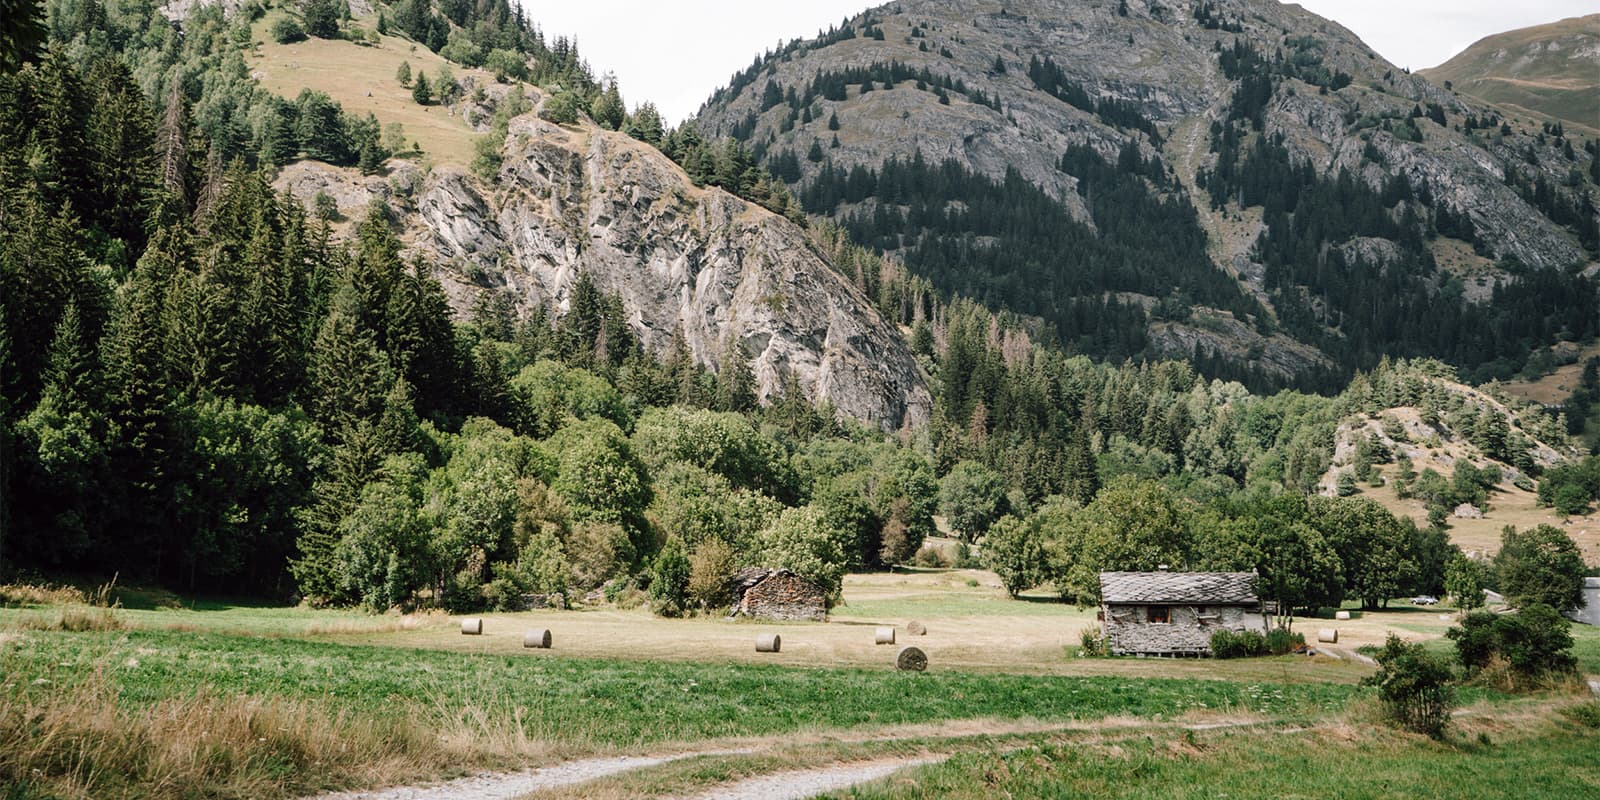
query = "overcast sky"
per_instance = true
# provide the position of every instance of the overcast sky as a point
(675, 52)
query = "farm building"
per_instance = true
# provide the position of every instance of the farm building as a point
(778, 594)
(1589, 612)
(1175, 613)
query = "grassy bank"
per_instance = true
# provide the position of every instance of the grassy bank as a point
(1550, 756)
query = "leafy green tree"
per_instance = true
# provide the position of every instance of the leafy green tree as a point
(1464, 582)
(383, 554)
(971, 497)
(711, 569)
(562, 108)
(1374, 546)
(669, 580)
(1015, 550)
(601, 479)
(1131, 526)
(1540, 565)
(801, 539)
(322, 18)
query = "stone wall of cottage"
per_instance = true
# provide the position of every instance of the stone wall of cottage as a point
(785, 597)
(1188, 630)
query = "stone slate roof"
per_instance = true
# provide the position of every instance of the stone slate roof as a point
(746, 579)
(1204, 588)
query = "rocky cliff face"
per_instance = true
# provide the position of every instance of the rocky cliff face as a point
(700, 262)
(1162, 58)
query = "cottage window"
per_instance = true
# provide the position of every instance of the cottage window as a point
(1160, 614)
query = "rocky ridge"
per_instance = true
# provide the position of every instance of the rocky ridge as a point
(685, 260)
(1163, 60)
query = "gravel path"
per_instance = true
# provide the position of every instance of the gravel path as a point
(507, 786)
(801, 784)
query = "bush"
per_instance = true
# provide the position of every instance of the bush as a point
(1585, 714)
(1238, 644)
(1281, 641)
(1413, 687)
(1094, 644)
(1533, 645)
(287, 31)
(669, 580)
(562, 109)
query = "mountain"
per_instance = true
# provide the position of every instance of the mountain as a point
(1550, 71)
(1232, 180)
(690, 264)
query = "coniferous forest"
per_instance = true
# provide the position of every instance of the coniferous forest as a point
(204, 386)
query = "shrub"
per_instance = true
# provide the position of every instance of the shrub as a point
(562, 109)
(669, 580)
(287, 31)
(710, 570)
(1532, 645)
(1094, 644)
(1585, 714)
(1238, 644)
(1281, 641)
(1413, 687)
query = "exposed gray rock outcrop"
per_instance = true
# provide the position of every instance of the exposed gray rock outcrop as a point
(700, 262)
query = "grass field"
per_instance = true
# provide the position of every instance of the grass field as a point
(362, 79)
(255, 701)
(1551, 758)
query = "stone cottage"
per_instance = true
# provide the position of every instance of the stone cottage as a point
(1589, 612)
(1175, 613)
(778, 594)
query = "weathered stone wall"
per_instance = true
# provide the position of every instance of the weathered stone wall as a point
(1589, 612)
(785, 596)
(1188, 631)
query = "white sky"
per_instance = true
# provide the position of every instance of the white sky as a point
(675, 52)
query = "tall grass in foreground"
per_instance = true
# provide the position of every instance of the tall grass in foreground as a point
(74, 738)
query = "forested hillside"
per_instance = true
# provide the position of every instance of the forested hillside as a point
(1236, 180)
(203, 384)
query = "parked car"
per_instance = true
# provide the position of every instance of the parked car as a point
(1424, 600)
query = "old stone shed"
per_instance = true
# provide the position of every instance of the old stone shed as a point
(1175, 613)
(778, 594)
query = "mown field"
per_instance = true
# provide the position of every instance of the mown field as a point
(164, 695)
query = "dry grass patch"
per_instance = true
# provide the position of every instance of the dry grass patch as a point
(362, 79)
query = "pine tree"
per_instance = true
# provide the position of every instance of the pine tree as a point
(833, 121)
(347, 373)
(736, 382)
(355, 461)
(172, 142)
(1081, 478)
(420, 91)
(121, 134)
(607, 109)
(403, 74)
(645, 124)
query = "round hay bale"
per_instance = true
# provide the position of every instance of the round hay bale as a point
(1341, 615)
(768, 643)
(472, 626)
(539, 639)
(1328, 635)
(911, 659)
(884, 635)
(916, 628)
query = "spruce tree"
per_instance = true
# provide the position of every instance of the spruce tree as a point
(420, 90)
(736, 382)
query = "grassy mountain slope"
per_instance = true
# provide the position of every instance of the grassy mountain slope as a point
(1550, 71)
